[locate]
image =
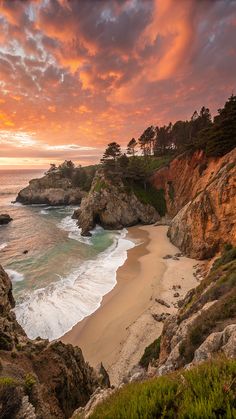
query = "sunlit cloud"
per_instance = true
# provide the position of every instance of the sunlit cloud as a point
(76, 75)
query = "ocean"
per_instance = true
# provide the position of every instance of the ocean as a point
(63, 276)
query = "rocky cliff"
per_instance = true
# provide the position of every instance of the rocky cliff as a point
(113, 206)
(37, 379)
(200, 195)
(51, 189)
(205, 324)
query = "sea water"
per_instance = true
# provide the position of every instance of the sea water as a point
(58, 276)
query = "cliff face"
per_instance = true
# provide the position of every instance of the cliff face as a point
(112, 206)
(201, 196)
(206, 322)
(38, 379)
(51, 189)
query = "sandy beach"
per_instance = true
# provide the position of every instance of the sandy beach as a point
(118, 332)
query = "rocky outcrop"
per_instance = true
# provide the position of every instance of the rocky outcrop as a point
(112, 206)
(205, 325)
(45, 380)
(51, 189)
(200, 195)
(5, 219)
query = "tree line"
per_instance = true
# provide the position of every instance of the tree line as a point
(215, 136)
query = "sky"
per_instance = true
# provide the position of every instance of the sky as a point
(78, 74)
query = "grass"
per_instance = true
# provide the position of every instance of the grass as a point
(206, 391)
(99, 185)
(151, 196)
(151, 352)
(155, 163)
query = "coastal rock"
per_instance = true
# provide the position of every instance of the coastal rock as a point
(110, 205)
(51, 189)
(99, 396)
(5, 219)
(162, 302)
(56, 375)
(202, 203)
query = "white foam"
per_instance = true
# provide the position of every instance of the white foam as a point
(3, 245)
(69, 224)
(14, 275)
(52, 311)
(44, 212)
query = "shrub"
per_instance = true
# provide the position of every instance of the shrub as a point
(151, 352)
(206, 391)
(30, 381)
(151, 196)
(228, 255)
(10, 397)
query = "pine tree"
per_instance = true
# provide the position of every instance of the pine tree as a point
(132, 144)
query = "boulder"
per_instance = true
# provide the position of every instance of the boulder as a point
(5, 219)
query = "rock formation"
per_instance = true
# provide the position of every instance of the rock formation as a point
(112, 206)
(5, 219)
(206, 323)
(200, 194)
(51, 189)
(37, 379)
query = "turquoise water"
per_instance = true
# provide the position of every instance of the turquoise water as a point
(63, 276)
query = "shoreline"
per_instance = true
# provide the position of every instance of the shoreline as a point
(117, 333)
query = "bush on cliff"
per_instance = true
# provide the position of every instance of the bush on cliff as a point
(206, 391)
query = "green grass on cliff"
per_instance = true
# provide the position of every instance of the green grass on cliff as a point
(206, 391)
(152, 196)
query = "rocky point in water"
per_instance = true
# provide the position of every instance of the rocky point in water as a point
(110, 205)
(51, 189)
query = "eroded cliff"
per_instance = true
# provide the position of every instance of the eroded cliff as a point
(200, 195)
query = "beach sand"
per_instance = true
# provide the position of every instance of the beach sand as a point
(118, 332)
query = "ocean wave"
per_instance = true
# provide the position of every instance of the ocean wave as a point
(3, 245)
(52, 311)
(70, 225)
(14, 275)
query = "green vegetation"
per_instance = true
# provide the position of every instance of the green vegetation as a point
(151, 352)
(228, 255)
(30, 381)
(79, 176)
(10, 396)
(150, 195)
(206, 391)
(219, 286)
(99, 185)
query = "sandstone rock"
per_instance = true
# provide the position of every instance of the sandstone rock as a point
(112, 206)
(99, 396)
(160, 317)
(208, 220)
(5, 219)
(51, 189)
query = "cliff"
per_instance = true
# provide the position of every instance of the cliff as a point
(206, 321)
(200, 195)
(37, 379)
(113, 206)
(51, 189)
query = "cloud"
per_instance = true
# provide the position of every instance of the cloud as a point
(83, 73)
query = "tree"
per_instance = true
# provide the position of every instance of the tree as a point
(163, 138)
(67, 168)
(220, 137)
(52, 168)
(112, 152)
(110, 157)
(146, 140)
(132, 144)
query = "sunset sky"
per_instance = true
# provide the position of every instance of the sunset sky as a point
(77, 74)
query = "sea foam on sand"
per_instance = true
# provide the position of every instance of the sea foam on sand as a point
(52, 311)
